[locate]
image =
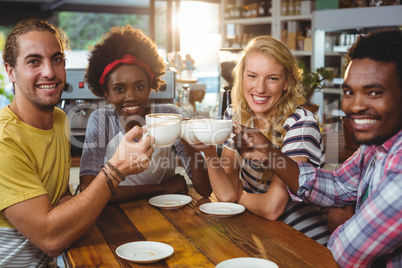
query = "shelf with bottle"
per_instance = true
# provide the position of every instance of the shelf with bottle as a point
(267, 18)
(251, 12)
(292, 27)
(334, 31)
(336, 46)
(338, 42)
(296, 10)
(247, 9)
(297, 36)
(296, 17)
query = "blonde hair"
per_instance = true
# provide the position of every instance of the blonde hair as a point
(291, 98)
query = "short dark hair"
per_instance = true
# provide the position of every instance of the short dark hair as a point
(120, 41)
(382, 45)
(10, 52)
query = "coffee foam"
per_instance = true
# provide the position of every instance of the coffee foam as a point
(162, 124)
(164, 115)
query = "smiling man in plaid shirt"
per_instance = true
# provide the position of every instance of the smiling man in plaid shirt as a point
(371, 179)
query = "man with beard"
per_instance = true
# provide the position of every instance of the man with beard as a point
(371, 179)
(39, 218)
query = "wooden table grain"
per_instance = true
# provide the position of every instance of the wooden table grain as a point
(198, 239)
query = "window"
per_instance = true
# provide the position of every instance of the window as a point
(200, 37)
(85, 29)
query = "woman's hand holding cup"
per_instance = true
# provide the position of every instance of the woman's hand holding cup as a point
(189, 139)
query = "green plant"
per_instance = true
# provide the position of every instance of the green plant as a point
(312, 80)
(3, 92)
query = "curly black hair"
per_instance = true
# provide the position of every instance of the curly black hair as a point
(116, 43)
(382, 45)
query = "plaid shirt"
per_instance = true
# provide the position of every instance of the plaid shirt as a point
(376, 228)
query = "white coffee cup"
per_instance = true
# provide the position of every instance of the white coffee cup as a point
(187, 132)
(165, 133)
(151, 119)
(212, 131)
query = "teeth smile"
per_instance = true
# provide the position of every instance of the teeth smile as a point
(364, 121)
(47, 87)
(131, 108)
(260, 98)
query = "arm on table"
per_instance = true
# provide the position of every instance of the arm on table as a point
(53, 229)
(269, 205)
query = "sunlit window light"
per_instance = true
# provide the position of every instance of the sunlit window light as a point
(199, 31)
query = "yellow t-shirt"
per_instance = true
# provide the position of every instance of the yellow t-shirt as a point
(33, 161)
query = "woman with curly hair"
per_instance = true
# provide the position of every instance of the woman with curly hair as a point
(266, 95)
(123, 68)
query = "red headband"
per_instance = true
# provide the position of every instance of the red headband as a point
(126, 59)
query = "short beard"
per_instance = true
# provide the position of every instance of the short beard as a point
(378, 139)
(45, 108)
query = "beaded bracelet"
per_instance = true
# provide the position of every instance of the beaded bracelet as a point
(116, 171)
(109, 183)
(110, 173)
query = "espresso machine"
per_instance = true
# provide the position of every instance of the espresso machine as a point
(228, 58)
(78, 102)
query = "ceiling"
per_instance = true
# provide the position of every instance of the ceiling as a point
(12, 11)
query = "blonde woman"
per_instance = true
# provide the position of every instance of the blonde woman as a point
(266, 95)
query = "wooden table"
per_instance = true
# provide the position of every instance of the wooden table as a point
(199, 240)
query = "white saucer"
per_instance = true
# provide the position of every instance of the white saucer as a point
(170, 201)
(144, 251)
(222, 209)
(246, 263)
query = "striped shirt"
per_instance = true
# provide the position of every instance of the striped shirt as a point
(376, 228)
(302, 139)
(17, 251)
